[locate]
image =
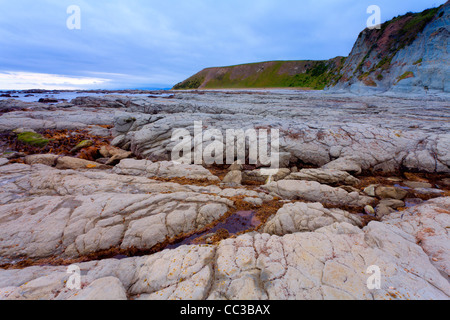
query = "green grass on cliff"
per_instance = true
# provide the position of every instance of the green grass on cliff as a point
(316, 77)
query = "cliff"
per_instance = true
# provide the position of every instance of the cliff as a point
(407, 54)
(272, 74)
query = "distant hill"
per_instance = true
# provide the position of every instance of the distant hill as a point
(271, 74)
(408, 53)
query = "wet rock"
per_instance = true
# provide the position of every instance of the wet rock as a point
(48, 100)
(384, 192)
(324, 176)
(219, 235)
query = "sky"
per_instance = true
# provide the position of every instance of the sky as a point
(138, 44)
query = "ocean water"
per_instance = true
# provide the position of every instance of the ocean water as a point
(68, 96)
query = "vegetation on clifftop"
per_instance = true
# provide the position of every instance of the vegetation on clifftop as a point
(273, 74)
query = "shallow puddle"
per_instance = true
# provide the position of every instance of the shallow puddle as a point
(237, 223)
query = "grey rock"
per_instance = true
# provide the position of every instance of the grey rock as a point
(307, 217)
(417, 184)
(316, 192)
(384, 192)
(233, 177)
(324, 176)
(45, 159)
(109, 288)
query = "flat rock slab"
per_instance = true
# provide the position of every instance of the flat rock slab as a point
(429, 224)
(324, 176)
(163, 169)
(330, 263)
(73, 226)
(316, 192)
(306, 217)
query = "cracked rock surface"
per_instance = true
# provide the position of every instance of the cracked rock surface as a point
(330, 263)
(302, 217)
(314, 191)
(143, 227)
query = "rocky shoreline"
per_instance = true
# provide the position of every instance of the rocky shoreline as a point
(364, 181)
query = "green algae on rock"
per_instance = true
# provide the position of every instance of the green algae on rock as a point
(32, 139)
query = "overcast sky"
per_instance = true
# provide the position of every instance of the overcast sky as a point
(156, 44)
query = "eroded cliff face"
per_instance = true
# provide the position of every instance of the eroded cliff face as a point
(408, 54)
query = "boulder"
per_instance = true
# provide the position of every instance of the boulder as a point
(64, 163)
(45, 159)
(233, 177)
(370, 190)
(384, 192)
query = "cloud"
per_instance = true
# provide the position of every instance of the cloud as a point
(149, 43)
(12, 80)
